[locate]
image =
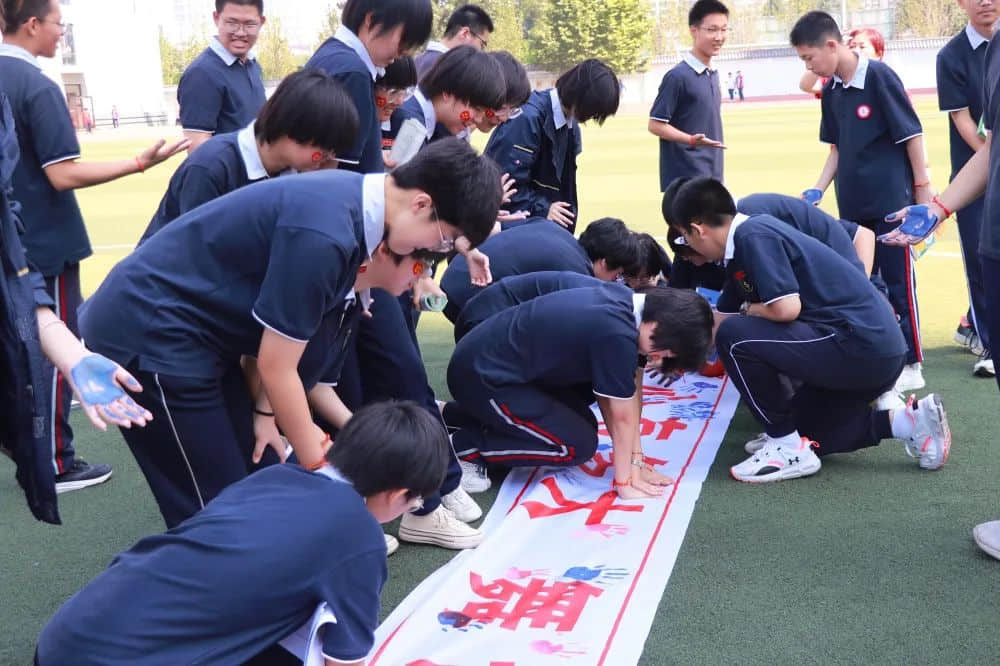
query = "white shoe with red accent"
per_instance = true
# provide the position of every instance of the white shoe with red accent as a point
(931, 439)
(778, 462)
(756, 444)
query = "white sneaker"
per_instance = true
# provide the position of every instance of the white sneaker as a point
(439, 528)
(984, 366)
(755, 444)
(931, 440)
(474, 478)
(462, 505)
(777, 462)
(891, 399)
(911, 378)
(391, 545)
(987, 536)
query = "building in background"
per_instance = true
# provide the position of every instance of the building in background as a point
(109, 56)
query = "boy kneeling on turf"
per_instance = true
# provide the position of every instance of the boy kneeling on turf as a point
(812, 321)
(226, 585)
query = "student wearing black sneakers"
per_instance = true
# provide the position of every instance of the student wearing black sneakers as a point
(810, 320)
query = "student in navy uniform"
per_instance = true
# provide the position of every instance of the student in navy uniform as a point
(517, 94)
(606, 249)
(538, 148)
(254, 273)
(371, 35)
(222, 90)
(523, 399)
(308, 121)
(183, 596)
(454, 95)
(654, 264)
(55, 237)
(24, 299)
(960, 66)
(514, 290)
(686, 115)
(690, 270)
(468, 25)
(811, 320)
(392, 88)
(876, 156)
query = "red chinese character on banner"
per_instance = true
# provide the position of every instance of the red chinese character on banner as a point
(658, 394)
(597, 509)
(648, 427)
(539, 601)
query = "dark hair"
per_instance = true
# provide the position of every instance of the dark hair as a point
(669, 194)
(609, 239)
(685, 251)
(653, 259)
(18, 12)
(392, 446)
(813, 29)
(590, 91)
(467, 74)
(312, 108)
(515, 77)
(464, 186)
(472, 17)
(221, 4)
(704, 199)
(703, 8)
(416, 17)
(401, 73)
(683, 325)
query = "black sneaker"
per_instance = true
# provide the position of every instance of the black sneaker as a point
(81, 475)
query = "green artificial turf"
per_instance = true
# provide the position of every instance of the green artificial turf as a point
(870, 561)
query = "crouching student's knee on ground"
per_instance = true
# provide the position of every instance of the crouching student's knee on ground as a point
(182, 596)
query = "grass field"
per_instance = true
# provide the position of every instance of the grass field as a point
(868, 562)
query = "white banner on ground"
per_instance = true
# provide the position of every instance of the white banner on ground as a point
(568, 573)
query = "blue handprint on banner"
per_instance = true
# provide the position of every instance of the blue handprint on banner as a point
(600, 574)
(692, 411)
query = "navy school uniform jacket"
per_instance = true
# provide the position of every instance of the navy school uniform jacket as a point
(960, 70)
(870, 126)
(542, 164)
(342, 63)
(989, 238)
(514, 290)
(197, 295)
(234, 579)
(23, 421)
(542, 246)
(771, 260)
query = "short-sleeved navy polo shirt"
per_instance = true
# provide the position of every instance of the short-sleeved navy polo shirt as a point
(771, 260)
(515, 290)
(870, 126)
(324, 356)
(960, 86)
(219, 166)
(686, 275)
(54, 233)
(689, 99)
(343, 63)
(989, 236)
(836, 234)
(234, 579)
(539, 246)
(196, 296)
(219, 93)
(572, 338)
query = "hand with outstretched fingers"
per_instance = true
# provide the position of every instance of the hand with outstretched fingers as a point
(99, 384)
(916, 223)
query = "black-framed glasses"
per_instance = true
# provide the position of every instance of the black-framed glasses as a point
(446, 244)
(233, 26)
(481, 40)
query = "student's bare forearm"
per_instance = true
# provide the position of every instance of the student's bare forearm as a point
(864, 245)
(58, 343)
(668, 132)
(918, 159)
(829, 171)
(622, 423)
(782, 310)
(74, 175)
(328, 405)
(196, 139)
(254, 384)
(970, 183)
(291, 409)
(967, 128)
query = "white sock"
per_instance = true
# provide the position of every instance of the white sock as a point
(791, 440)
(902, 424)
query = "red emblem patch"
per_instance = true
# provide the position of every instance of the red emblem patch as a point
(864, 112)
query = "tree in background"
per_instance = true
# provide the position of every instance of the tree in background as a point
(330, 23)
(273, 53)
(174, 59)
(929, 18)
(616, 31)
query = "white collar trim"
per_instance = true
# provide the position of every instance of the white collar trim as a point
(858, 80)
(638, 305)
(697, 65)
(435, 45)
(739, 219)
(558, 115)
(246, 141)
(347, 37)
(373, 207)
(13, 51)
(975, 39)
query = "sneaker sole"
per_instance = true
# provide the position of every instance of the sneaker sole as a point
(985, 547)
(983, 372)
(436, 539)
(944, 433)
(69, 486)
(786, 474)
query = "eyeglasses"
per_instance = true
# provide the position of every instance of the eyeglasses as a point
(481, 40)
(446, 244)
(62, 26)
(233, 26)
(394, 95)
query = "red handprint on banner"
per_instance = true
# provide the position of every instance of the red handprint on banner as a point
(597, 509)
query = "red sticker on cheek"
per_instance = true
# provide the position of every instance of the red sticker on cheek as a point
(465, 116)
(418, 268)
(380, 101)
(490, 114)
(316, 157)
